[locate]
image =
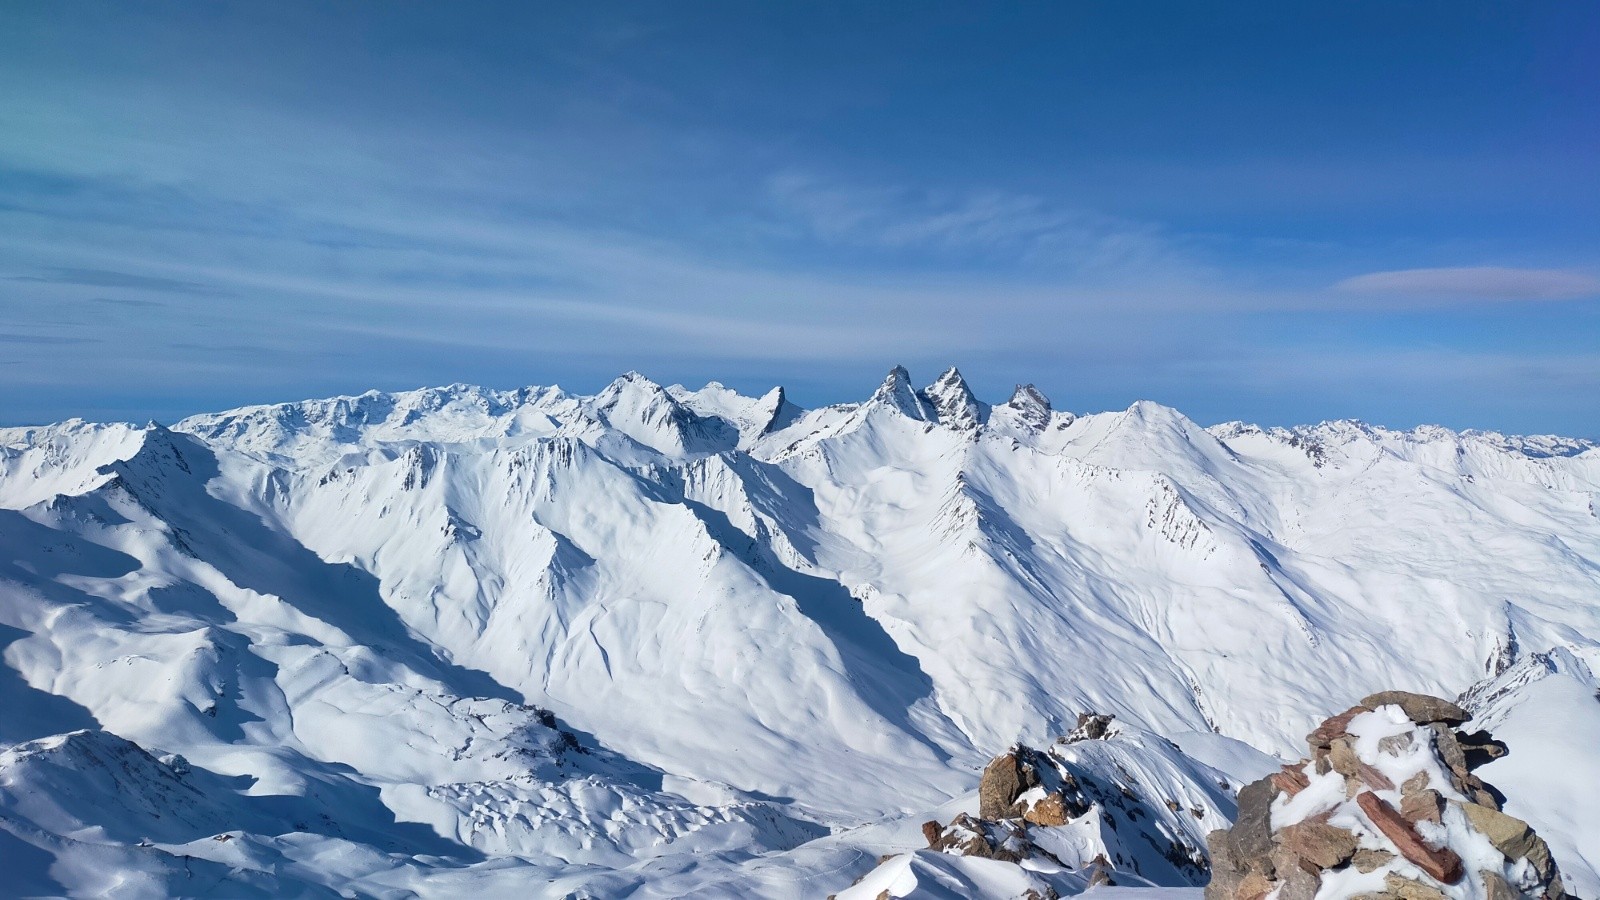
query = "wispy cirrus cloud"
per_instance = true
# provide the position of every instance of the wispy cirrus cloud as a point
(974, 223)
(106, 278)
(1477, 283)
(45, 339)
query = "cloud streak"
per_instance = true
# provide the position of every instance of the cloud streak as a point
(45, 339)
(962, 225)
(1476, 283)
(104, 278)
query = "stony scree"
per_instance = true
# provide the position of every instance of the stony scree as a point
(1334, 825)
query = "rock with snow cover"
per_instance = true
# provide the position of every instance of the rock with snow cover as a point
(1125, 807)
(1387, 808)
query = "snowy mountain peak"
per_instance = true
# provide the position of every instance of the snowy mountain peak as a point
(776, 411)
(953, 402)
(631, 384)
(897, 393)
(1028, 412)
(1028, 397)
(374, 626)
(649, 414)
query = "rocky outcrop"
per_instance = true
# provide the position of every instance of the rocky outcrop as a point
(1003, 782)
(1099, 806)
(1386, 807)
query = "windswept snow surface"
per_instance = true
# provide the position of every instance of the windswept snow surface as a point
(665, 642)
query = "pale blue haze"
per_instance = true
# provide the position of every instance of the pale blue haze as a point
(1274, 212)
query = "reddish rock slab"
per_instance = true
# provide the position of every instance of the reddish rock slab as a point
(1334, 726)
(1290, 781)
(1442, 864)
(1373, 778)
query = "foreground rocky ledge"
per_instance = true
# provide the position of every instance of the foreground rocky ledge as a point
(1386, 807)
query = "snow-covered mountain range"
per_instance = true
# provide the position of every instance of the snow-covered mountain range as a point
(661, 642)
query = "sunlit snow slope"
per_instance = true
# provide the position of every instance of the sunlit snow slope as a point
(682, 642)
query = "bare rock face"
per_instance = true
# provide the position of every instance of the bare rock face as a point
(1002, 783)
(1096, 810)
(1341, 811)
(1049, 812)
(1250, 839)
(1426, 805)
(1090, 727)
(1326, 846)
(1409, 889)
(1005, 840)
(1419, 708)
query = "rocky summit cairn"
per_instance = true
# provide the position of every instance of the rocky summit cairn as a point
(1385, 808)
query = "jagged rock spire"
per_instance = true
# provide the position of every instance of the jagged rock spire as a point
(896, 391)
(776, 412)
(1028, 409)
(952, 400)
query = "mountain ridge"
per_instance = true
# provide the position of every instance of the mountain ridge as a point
(828, 616)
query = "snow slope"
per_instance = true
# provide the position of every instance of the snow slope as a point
(672, 641)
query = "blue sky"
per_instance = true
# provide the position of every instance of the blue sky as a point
(1274, 212)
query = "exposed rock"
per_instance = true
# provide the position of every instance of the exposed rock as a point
(1449, 749)
(1326, 846)
(1419, 708)
(1251, 836)
(1415, 783)
(1406, 889)
(1479, 793)
(1052, 810)
(1334, 726)
(1495, 887)
(1090, 727)
(1442, 863)
(1342, 756)
(1226, 874)
(1000, 786)
(1299, 885)
(1284, 862)
(1254, 886)
(1290, 781)
(1373, 778)
(1369, 860)
(1395, 744)
(1424, 805)
(1252, 860)
(1510, 835)
(1004, 840)
(1480, 748)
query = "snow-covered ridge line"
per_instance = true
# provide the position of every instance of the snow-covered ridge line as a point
(659, 641)
(464, 413)
(460, 413)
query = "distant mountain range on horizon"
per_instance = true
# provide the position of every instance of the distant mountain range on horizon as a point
(663, 642)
